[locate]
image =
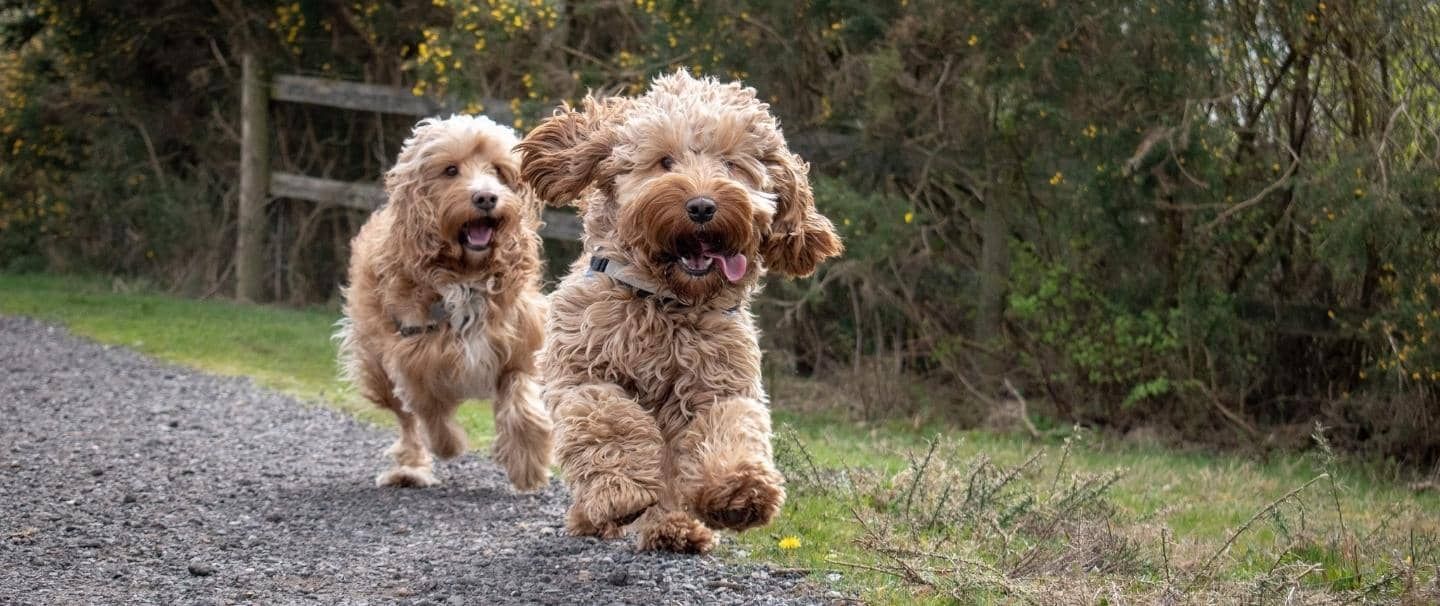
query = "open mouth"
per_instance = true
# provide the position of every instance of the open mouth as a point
(476, 234)
(698, 257)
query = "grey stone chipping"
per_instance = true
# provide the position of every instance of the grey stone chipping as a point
(126, 480)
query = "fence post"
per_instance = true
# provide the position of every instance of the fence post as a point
(254, 180)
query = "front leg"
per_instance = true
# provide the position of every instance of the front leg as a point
(724, 466)
(522, 430)
(609, 453)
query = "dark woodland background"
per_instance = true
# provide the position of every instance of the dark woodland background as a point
(1212, 219)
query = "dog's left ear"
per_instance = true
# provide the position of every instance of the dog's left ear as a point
(566, 154)
(800, 238)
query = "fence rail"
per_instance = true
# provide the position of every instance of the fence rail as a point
(559, 225)
(258, 186)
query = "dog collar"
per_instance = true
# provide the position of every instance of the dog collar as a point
(622, 273)
(439, 313)
(435, 315)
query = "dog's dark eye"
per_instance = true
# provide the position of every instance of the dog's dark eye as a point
(730, 165)
(667, 163)
(452, 170)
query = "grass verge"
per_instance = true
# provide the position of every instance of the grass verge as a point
(902, 514)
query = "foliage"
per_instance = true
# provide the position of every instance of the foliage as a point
(1099, 344)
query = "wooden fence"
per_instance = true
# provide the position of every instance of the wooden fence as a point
(258, 185)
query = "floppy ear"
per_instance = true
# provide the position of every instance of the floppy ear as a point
(800, 238)
(562, 157)
(408, 190)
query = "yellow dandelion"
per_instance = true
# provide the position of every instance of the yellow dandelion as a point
(909, 216)
(973, 40)
(1057, 179)
(790, 542)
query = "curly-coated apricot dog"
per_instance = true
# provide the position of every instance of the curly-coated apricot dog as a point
(651, 363)
(444, 302)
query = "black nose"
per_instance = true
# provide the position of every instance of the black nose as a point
(701, 209)
(484, 200)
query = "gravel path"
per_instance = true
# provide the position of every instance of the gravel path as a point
(125, 480)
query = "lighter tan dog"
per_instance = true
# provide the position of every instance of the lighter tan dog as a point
(444, 301)
(651, 363)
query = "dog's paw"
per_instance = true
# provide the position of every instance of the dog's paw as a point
(605, 505)
(615, 499)
(745, 497)
(578, 525)
(527, 473)
(408, 455)
(675, 531)
(406, 477)
(526, 462)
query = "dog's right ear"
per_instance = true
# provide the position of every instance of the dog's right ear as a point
(563, 156)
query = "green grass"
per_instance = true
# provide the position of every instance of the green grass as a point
(1200, 499)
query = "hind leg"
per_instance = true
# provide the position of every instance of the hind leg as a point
(669, 525)
(443, 435)
(412, 466)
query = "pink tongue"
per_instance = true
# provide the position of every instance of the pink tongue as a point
(479, 235)
(733, 265)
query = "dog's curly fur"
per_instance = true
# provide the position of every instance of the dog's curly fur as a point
(661, 418)
(429, 245)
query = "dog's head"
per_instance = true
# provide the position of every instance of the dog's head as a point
(692, 181)
(456, 194)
